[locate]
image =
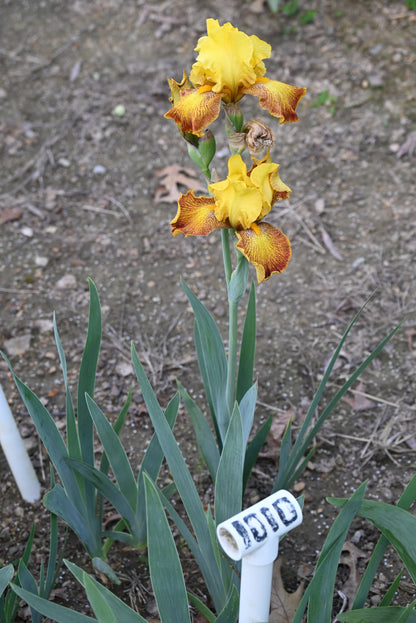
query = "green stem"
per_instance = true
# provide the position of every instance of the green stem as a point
(225, 239)
(232, 355)
(232, 329)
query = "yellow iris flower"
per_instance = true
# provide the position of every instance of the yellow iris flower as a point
(229, 65)
(240, 202)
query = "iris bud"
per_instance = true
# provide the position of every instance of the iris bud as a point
(234, 116)
(207, 147)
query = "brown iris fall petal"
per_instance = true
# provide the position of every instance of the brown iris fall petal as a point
(269, 251)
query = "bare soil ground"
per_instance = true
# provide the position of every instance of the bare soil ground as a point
(77, 188)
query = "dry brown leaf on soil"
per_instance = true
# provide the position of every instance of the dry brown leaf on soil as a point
(172, 177)
(283, 605)
(278, 427)
(408, 147)
(410, 334)
(10, 214)
(350, 557)
(359, 401)
(279, 424)
(256, 6)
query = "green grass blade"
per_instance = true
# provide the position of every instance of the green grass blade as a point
(203, 564)
(406, 500)
(117, 426)
(151, 464)
(248, 348)
(54, 562)
(74, 448)
(247, 406)
(183, 481)
(389, 596)
(86, 381)
(230, 611)
(204, 436)
(8, 599)
(205, 381)
(6, 574)
(409, 495)
(211, 359)
(98, 602)
(124, 537)
(389, 614)
(254, 448)
(57, 502)
(341, 392)
(86, 385)
(229, 479)
(109, 491)
(49, 609)
(153, 456)
(201, 607)
(396, 524)
(27, 581)
(115, 452)
(319, 592)
(123, 613)
(300, 469)
(165, 568)
(306, 434)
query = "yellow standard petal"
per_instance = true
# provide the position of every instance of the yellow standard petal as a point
(195, 216)
(264, 174)
(278, 98)
(266, 247)
(260, 177)
(236, 203)
(237, 200)
(228, 60)
(195, 110)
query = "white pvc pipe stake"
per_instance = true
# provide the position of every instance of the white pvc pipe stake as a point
(253, 536)
(16, 455)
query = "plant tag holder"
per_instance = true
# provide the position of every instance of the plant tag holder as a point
(252, 536)
(16, 454)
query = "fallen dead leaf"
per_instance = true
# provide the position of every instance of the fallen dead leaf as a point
(410, 334)
(17, 346)
(279, 424)
(359, 402)
(408, 147)
(256, 6)
(10, 214)
(278, 427)
(350, 559)
(283, 605)
(173, 177)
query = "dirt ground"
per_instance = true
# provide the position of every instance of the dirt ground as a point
(77, 188)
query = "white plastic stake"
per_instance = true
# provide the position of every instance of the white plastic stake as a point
(16, 455)
(253, 536)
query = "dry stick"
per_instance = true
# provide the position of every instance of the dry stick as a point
(100, 210)
(381, 400)
(40, 156)
(120, 206)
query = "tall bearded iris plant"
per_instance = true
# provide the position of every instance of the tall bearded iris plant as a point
(229, 66)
